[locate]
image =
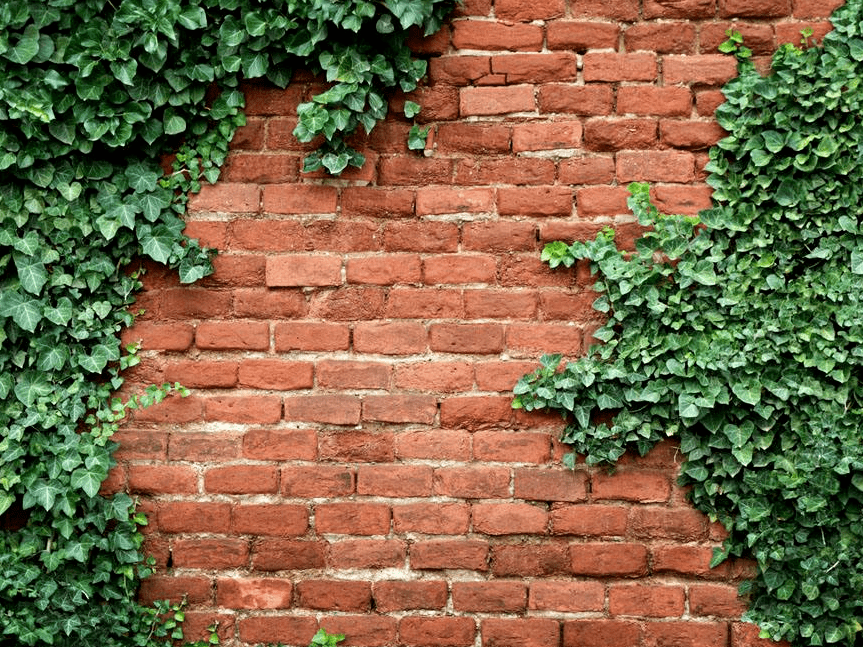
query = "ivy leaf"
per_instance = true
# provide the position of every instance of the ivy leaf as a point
(88, 479)
(142, 177)
(157, 242)
(25, 311)
(31, 272)
(27, 46)
(30, 386)
(43, 493)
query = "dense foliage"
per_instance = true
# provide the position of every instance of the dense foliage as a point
(92, 94)
(740, 333)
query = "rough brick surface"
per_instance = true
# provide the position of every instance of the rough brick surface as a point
(349, 457)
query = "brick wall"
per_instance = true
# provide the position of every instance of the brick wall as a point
(349, 458)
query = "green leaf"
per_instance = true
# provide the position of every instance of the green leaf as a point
(26, 48)
(31, 272)
(88, 480)
(24, 310)
(41, 493)
(157, 243)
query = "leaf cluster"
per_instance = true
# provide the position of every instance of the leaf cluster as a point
(110, 114)
(739, 333)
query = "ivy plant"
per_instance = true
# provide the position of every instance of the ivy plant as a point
(740, 333)
(93, 96)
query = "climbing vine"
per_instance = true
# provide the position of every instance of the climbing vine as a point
(739, 333)
(93, 94)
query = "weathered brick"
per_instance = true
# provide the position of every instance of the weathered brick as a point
(619, 134)
(673, 101)
(594, 99)
(303, 271)
(512, 446)
(259, 409)
(582, 36)
(719, 600)
(601, 633)
(494, 35)
(526, 11)
(299, 199)
(477, 482)
(390, 338)
(162, 479)
(637, 485)
(536, 68)
(242, 479)
(366, 630)
(317, 481)
(566, 596)
(424, 303)
(280, 444)
(436, 376)
(654, 522)
(282, 520)
(489, 597)
(352, 518)
(530, 560)
(535, 201)
(187, 516)
(367, 553)
(589, 520)
(468, 554)
(279, 375)
(389, 269)
(432, 518)
(706, 69)
(691, 9)
(436, 444)
(398, 595)
(475, 412)
(428, 631)
(311, 335)
(347, 374)
(602, 66)
(334, 409)
(754, 8)
(608, 559)
(227, 197)
(290, 630)
(478, 138)
(520, 632)
(508, 518)
(210, 446)
(466, 338)
(499, 236)
(555, 484)
(394, 480)
(209, 553)
(655, 166)
(277, 554)
(334, 595)
(663, 38)
(253, 593)
(686, 634)
(646, 600)
(435, 200)
(475, 101)
(426, 237)
(357, 446)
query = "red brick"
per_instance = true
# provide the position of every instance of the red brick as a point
(459, 70)
(357, 446)
(301, 335)
(352, 518)
(653, 522)
(459, 268)
(622, 10)
(646, 600)
(608, 559)
(535, 201)
(280, 444)
(276, 374)
(690, 134)
(505, 170)
(688, 560)
(281, 520)
(496, 101)
(280, 133)
(603, 66)
(533, 337)
(691, 9)
(576, 99)
(192, 303)
(555, 484)
(345, 374)
(530, 560)
(398, 595)
(427, 631)
(501, 375)
(250, 136)
(435, 200)
(303, 270)
(468, 554)
(601, 201)
(432, 518)
(264, 99)
(489, 597)
(524, 11)
(685, 199)
(365, 630)
(582, 36)
(162, 479)
(758, 37)
(390, 338)
(566, 596)
(619, 134)
(291, 630)
(744, 634)
(159, 336)
(716, 600)
(184, 516)
(334, 595)
(509, 518)
(348, 303)
(655, 166)
(589, 520)
(253, 593)
(427, 237)
(242, 479)
(601, 633)
(477, 482)
(554, 135)
(754, 8)
(466, 338)
(641, 486)
(233, 335)
(500, 304)
(277, 554)
(439, 102)
(536, 68)
(260, 409)
(565, 306)
(436, 376)
(686, 634)
(377, 202)
(367, 553)
(227, 197)
(706, 69)
(651, 100)
(141, 444)
(209, 233)
(475, 412)
(389, 269)
(395, 480)
(195, 590)
(511, 447)
(815, 8)
(415, 171)
(437, 445)
(326, 234)
(317, 481)
(207, 446)
(499, 236)
(259, 168)
(210, 554)
(331, 409)
(478, 138)
(299, 199)
(790, 32)
(520, 632)
(236, 271)
(663, 38)
(266, 235)
(424, 303)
